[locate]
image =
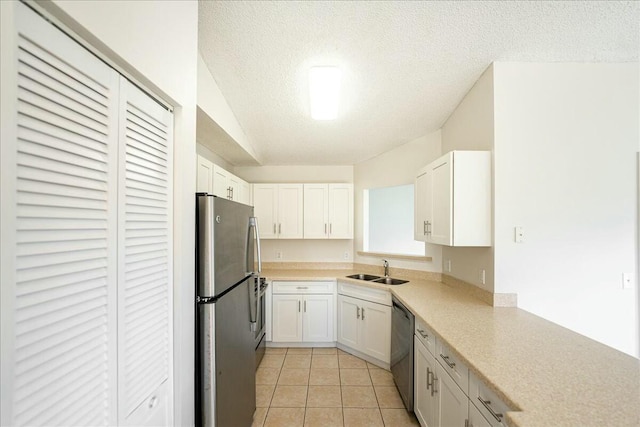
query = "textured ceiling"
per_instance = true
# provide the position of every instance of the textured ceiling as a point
(406, 65)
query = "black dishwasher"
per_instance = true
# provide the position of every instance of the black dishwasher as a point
(402, 324)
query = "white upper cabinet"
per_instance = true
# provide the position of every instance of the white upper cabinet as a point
(279, 210)
(328, 211)
(215, 180)
(204, 183)
(265, 202)
(316, 211)
(453, 200)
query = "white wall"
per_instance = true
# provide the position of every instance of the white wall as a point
(156, 42)
(566, 138)
(316, 250)
(213, 103)
(210, 155)
(470, 127)
(395, 167)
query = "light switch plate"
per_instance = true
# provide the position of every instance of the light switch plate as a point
(626, 281)
(519, 234)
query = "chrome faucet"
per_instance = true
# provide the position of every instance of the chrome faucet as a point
(385, 264)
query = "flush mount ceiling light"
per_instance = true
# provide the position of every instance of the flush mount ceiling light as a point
(324, 92)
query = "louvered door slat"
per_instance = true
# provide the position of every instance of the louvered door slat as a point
(63, 270)
(144, 249)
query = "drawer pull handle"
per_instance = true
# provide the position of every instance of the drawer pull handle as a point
(487, 404)
(153, 402)
(421, 332)
(429, 379)
(446, 360)
(302, 287)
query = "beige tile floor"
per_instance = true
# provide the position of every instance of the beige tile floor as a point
(325, 387)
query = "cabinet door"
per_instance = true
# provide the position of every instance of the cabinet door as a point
(235, 188)
(286, 324)
(221, 187)
(375, 337)
(245, 193)
(316, 211)
(318, 318)
(421, 198)
(453, 402)
(476, 419)
(144, 249)
(290, 207)
(425, 404)
(348, 321)
(59, 226)
(265, 205)
(441, 230)
(204, 183)
(341, 211)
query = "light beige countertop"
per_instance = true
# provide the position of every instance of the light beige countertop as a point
(552, 376)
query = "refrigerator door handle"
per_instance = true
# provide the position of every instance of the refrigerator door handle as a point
(253, 223)
(253, 303)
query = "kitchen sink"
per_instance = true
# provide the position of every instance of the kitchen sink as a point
(363, 276)
(390, 281)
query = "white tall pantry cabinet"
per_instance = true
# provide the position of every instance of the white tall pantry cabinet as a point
(86, 263)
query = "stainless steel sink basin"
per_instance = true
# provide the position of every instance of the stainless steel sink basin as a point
(362, 276)
(390, 281)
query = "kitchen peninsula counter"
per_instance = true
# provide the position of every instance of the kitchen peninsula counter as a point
(550, 376)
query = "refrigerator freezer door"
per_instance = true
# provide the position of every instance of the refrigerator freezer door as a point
(235, 358)
(222, 229)
(205, 380)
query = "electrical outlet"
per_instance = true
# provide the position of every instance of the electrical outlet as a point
(482, 276)
(626, 281)
(448, 266)
(518, 236)
(278, 254)
(346, 255)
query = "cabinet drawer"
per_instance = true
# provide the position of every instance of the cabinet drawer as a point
(379, 296)
(426, 336)
(300, 287)
(453, 366)
(487, 402)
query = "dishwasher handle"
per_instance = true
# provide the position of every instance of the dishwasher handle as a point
(398, 307)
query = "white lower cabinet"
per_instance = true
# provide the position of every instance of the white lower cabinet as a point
(303, 312)
(453, 401)
(475, 418)
(425, 403)
(365, 327)
(446, 394)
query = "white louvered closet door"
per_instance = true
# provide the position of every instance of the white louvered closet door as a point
(59, 233)
(144, 259)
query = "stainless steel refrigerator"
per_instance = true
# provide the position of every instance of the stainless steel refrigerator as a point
(227, 239)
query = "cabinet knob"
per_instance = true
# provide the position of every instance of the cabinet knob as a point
(487, 404)
(153, 402)
(446, 360)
